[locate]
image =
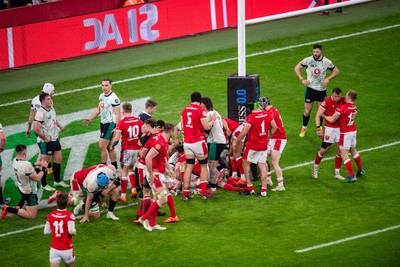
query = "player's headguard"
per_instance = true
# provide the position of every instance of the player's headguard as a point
(48, 88)
(102, 179)
(263, 102)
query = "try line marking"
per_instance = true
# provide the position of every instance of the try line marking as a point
(287, 168)
(214, 62)
(348, 239)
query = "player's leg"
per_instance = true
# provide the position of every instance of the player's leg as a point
(338, 163)
(247, 172)
(306, 117)
(357, 159)
(275, 157)
(57, 159)
(43, 156)
(127, 160)
(31, 208)
(263, 176)
(103, 144)
(203, 161)
(114, 194)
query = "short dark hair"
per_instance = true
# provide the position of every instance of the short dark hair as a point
(20, 148)
(352, 94)
(195, 97)
(317, 46)
(151, 122)
(42, 97)
(169, 127)
(337, 91)
(62, 200)
(127, 107)
(179, 148)
(207, 102)
(107, 80)
(150, 103)
(160, 123)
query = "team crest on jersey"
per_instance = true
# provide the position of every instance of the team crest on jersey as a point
(101, 105)
(158, 146)
(204, 113)
(317, 71)
(326, 137)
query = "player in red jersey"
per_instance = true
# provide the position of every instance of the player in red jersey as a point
(276, 145)
(256, 127)
(194, 121)
(128, 130)
(235, 158)
(348, 133)
(156, 163)
(331, 134)
(60, 224)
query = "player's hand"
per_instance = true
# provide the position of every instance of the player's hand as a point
(47, 139)
(85, 219)
(44, 164)
(320, 133)
(325, 82)
(62, 128)
(28, 133)
(172, 174)
(305, 82)
(86, 122)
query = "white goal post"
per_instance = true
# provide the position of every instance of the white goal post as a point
(242, 22)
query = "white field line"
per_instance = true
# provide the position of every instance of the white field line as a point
(329, 158)
(41, 226)
(287, 168)
(213, 63)
(348, 239)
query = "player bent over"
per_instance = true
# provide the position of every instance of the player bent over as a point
(60, 224)
(27, 178)
(102, 180)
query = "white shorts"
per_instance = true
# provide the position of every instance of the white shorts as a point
(255, 156)
(276, 144)
(331, 135)
(197, 149)
(67, 256)
(129, 157)
(348, 140)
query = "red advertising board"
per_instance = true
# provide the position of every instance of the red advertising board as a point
(124, 27)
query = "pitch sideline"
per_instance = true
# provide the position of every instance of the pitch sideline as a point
(287, 168)
(214, 62)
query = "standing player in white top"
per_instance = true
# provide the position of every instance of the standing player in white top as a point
(216, 143)
(47, 128)
(35, 105)
(110, 115)
(27, 178)
(317, 66)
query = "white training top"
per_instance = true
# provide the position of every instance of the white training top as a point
(216, 134)
(90, 183)
(107, 105)
(48, 120)
(316, 71)
(23, 169)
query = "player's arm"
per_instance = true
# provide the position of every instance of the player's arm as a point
(116, 138)
(149, 164)
(71, 228)
(320, 113)
(117, 111)
(37, 128)
(335, 72)
(207, 125)
(89, 199)
(297, 70)
(169, 168)
(273, 128)
(59, 125)
(47, 229)
(333, 118)
(92, 117)
(2, 141)
(30, 122)
(226, 128)
(176, 134)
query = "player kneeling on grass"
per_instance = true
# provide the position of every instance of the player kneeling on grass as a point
(104, 181)
(27, 178)
(60, 224)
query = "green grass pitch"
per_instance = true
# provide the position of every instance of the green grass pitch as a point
(229, 229)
